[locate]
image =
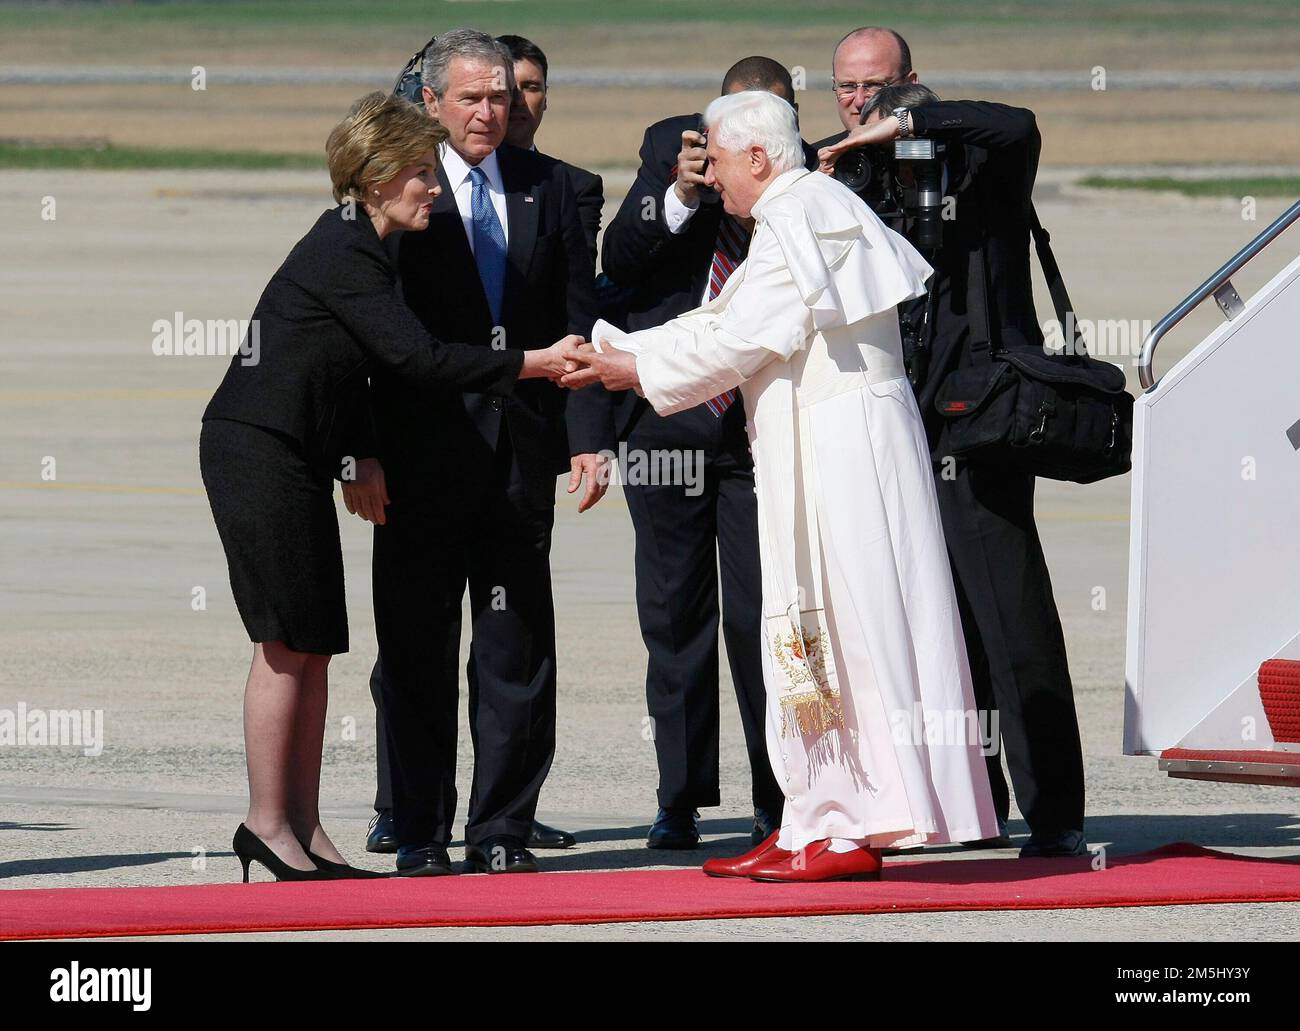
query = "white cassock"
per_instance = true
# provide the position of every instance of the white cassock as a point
(874, 739)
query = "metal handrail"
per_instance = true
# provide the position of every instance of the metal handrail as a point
(1210, 286)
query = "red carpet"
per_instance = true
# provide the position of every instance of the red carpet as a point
(1179, 874)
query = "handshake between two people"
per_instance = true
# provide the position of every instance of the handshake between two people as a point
(570, 362)
(574, 363)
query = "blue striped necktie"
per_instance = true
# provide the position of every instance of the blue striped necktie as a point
(733, 242)
(489, 243)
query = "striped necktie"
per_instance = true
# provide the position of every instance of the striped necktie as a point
(728, 253)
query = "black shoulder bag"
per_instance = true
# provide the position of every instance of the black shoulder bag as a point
(1065, 417)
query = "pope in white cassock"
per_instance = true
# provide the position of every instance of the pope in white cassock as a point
(871, 725)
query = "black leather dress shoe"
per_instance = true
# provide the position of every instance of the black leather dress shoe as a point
(550, 837)
(499, 855)
(674, 828)
(382, 837)
(423, 861)
(1001, 840)
(1060, 843)
(765, 825)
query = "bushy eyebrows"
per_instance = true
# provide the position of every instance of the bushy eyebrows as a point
(477, 91)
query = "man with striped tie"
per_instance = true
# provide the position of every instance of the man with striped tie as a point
(672, 247)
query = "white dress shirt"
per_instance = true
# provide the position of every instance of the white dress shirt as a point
(677, 214)
(462, 188)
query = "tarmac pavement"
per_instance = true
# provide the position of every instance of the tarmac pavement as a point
(99, 568)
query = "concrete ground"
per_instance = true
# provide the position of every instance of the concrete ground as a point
(98, 568)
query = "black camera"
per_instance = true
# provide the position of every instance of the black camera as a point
(409, 84)
(703, 130)
(902, 182)
(899, 182)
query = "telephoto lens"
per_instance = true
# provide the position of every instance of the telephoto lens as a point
(923, 158)
(929, 204)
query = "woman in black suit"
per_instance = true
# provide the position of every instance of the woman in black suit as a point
(288, 418)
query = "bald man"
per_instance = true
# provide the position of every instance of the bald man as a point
(865, 60)
(669, 249)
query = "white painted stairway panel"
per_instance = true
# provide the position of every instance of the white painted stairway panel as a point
(1214, 552)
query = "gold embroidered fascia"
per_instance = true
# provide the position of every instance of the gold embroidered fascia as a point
(811, 703)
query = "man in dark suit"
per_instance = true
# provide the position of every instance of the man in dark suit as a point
(526, 118)
(528, 106)
(669, 248)
(1012, 629)
(472, 480)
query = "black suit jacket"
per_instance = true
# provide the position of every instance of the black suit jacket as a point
(589, 192)
(991, 160)
(548, 294)
(330, 316)
(658, 275)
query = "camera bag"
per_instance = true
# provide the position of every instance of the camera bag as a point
(1064, 417)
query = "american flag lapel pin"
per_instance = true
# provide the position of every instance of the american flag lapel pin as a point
(528, 199)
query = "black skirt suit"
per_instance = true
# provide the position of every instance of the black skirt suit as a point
(291, 415)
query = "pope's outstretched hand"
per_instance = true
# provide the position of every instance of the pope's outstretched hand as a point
(615, 369)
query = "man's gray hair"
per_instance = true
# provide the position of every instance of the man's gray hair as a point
(464, 43)
(757, 118)
(889, 99)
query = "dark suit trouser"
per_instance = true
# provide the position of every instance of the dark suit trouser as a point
(1015, 644)
(683, 542)
(499, 544)
(383, 767)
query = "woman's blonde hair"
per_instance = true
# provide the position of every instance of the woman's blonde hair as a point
(380, 136)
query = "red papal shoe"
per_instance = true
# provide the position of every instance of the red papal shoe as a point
(740, 866)
(817, 862)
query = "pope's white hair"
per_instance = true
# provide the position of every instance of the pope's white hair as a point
(757, 118)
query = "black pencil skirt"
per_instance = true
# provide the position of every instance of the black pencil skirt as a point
(275, 516)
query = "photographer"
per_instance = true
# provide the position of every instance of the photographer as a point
(984, 179)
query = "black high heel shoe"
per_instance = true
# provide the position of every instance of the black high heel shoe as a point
(340, 871)
(248, 846)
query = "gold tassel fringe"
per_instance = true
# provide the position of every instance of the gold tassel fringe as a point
(810, 713)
